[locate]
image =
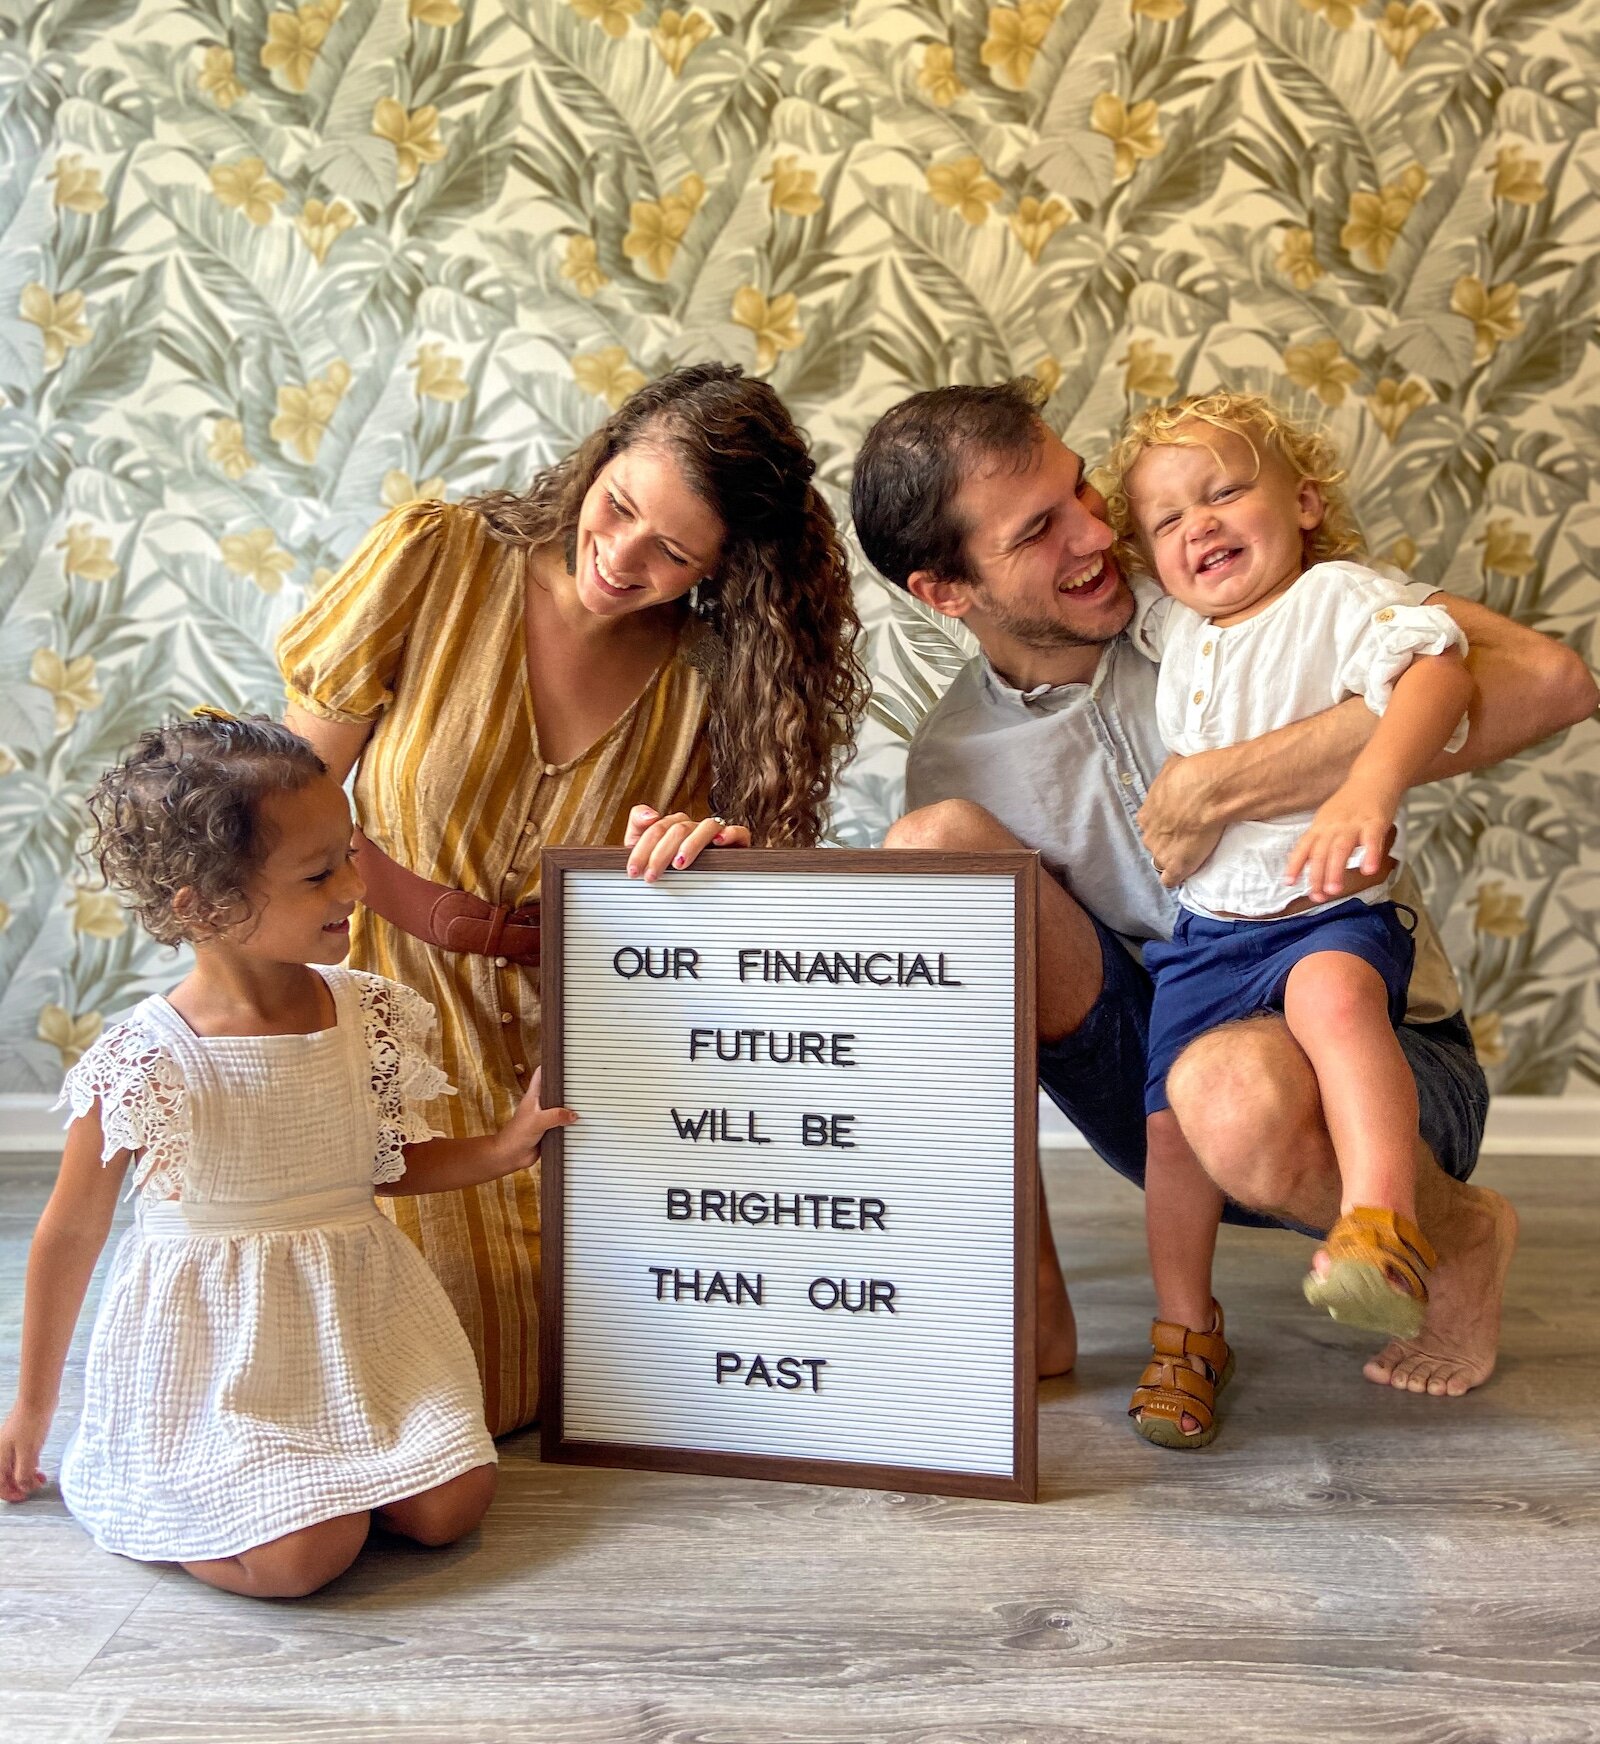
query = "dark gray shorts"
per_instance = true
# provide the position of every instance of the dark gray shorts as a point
(1096, 1077)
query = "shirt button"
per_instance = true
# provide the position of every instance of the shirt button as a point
(1199, 696)
(519, 1068)
(1126, 779)
(550, 769)
(505, 1017)
(499, 962)
(1385, 615)
(1208, 647)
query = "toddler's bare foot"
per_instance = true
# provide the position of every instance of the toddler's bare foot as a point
(1456, 1348)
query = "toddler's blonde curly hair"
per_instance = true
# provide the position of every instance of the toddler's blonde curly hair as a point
(1307, 453)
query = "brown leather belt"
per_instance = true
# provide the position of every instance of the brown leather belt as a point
(452, 920)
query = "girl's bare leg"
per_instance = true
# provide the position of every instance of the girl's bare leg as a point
(291, 1566)
(446, 1512)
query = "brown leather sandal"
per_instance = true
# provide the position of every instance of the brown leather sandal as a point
(1370, 1251)
(1170, 1390)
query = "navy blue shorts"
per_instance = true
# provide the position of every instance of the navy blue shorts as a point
(1096, 1077)
(1218, 971)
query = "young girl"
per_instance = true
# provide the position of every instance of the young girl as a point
(1264, 621)
(273, 1368)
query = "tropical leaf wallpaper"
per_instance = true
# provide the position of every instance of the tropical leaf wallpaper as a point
(269, 269)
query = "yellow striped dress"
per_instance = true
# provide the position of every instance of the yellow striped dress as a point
(422, 635)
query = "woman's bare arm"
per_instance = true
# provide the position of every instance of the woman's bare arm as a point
(338, 743)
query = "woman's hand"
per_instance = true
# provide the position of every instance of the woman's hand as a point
(674, 840)
(21, 1441)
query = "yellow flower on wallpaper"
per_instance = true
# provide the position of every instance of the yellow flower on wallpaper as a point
(1492, 310)
(1507, 549)
(246, 187)
(97, 913)
(1148, 372)
(322, 223)
(1391, 402)
(88, 555)
(293, 39)
(1499, 911)
(658, 227)
(1047, 372)
(1322, 369)
(399, 488)
(937, 78)
(71, 1037)
(612, 16)
(216, 77)
(414, 136)
(1488, 1038)
(1132, 131)
(1015, 34)
(59, 319)
(71, 683)
(1158, 9)
(5, 910)
(581, 266)
(1517, 177)
(227, 449)
(1035, 221)
(1403, 553)
(1297, 259)
(441, 14)
(77, 184)
(1341, 14)
(258, 557)
(1402, 27)
(1375, 222)
(964, 188)
(438, 374)
(677, 35)
(794, 190)
(774, 324)
(304, 412)
(8, 762)
(607, 374)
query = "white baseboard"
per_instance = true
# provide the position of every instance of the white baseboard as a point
(1538, 1126)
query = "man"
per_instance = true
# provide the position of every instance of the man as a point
(1048, 740)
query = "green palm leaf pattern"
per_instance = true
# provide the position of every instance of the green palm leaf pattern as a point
(268, 268)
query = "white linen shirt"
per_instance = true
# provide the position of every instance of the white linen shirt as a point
(1341, 630)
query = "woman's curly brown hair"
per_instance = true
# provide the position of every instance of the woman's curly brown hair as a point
(1307, 453)
(790, 688)
(181, 812)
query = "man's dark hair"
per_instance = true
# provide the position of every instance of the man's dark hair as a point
(911, 465)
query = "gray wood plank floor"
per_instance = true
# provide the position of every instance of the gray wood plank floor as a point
(1346, 1563)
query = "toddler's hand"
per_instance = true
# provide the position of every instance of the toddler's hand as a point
(21, 1439)
(1356, 817)
(532, 1120)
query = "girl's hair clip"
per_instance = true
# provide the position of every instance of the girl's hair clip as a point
(209, 711)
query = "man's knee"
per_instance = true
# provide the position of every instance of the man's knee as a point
(955, 825)
(1246, 1098)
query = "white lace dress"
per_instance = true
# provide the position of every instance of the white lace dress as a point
(270, 1350)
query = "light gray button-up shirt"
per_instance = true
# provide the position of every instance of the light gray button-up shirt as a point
(1065, 768)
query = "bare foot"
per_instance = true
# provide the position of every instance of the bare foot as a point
(1057, 1338)
(1455, 1351)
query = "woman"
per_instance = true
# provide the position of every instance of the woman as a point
(660, 628)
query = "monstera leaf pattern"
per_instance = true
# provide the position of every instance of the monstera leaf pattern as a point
(269, 269)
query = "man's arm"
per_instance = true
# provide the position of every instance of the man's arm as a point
(1525, 687)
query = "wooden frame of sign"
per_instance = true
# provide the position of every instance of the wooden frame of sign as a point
(609, 1332)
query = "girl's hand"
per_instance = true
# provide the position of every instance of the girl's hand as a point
(1356, 817)
(674, 840)
(524, 1131)
(21, 1439)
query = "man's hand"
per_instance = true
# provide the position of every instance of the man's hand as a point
(1180, 824)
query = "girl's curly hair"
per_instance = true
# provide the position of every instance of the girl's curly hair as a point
(1307, 453)
(182, 812)
(790, 688)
